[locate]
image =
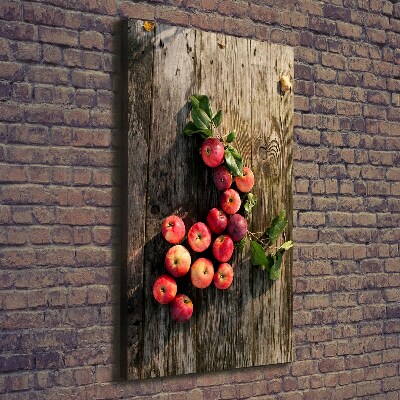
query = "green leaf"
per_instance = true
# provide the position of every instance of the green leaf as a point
(278, 224)
(205, 133)
(195, 102)
(257, 254)
(190, 128)
(231, 137)
(217, 118)
(204, 104)
(275, 270)
(271, 260)
(200, 118)
(234, 161)
(286, 246)
(251, 201)
(241, 245)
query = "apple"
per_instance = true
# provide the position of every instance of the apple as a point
(230, 201)
(199, 237)
(181, 308)
(222, 178)
(164, 289)
(224, 276)
(177, 261)
(222, 248)
(217, 220)
(237, 227)
(202, 273)
(246, 182)
(212, 152)
(173, 229)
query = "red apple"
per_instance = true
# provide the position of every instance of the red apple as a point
(199, 237)
(222, 178)
(224, 276)
(173, 229)
(212, 152)
(230, 201)
(246, 182)
(237, 227)
(217, 220)
(223, 248)
(164, 289)
(201, 273)
(177, 261)
(181, 308)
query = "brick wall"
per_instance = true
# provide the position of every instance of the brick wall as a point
(59, 198)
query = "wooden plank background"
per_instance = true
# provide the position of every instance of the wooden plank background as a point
(251, 323)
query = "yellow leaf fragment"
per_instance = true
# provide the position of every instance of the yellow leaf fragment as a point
(285, 83)
(149, 25)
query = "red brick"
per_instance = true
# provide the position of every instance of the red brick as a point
(322, 25)
(174, 16)
(52, 54)
(335, 13)
(18, 31)
(92, 60)
(48, 360)
(44, 114)
(137, 10)
(91, 79)
(333, 60)
(239, 27)
(233, 8)
(376, 36)
(10, 10)
(61, 36)
(91, 40)
(39, 14)
(263, 14)
(348, 30)
(364, 388)
(344, 392)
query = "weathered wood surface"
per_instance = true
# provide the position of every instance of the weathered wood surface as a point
(251, 323)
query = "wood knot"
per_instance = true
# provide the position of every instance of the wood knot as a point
(262, 151)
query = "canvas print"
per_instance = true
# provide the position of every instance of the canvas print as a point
(207, 281)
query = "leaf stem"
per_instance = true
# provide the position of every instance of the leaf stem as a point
(256, 238)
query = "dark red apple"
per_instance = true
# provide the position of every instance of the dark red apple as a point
(217, 220)
(222, 178)
(237, 227)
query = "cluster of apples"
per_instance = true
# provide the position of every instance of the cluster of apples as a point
(225, 222)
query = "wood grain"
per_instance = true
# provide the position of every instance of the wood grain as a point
(139, 125)
(249, 324)
(224, 73)
(272, 127)
(169, 347)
